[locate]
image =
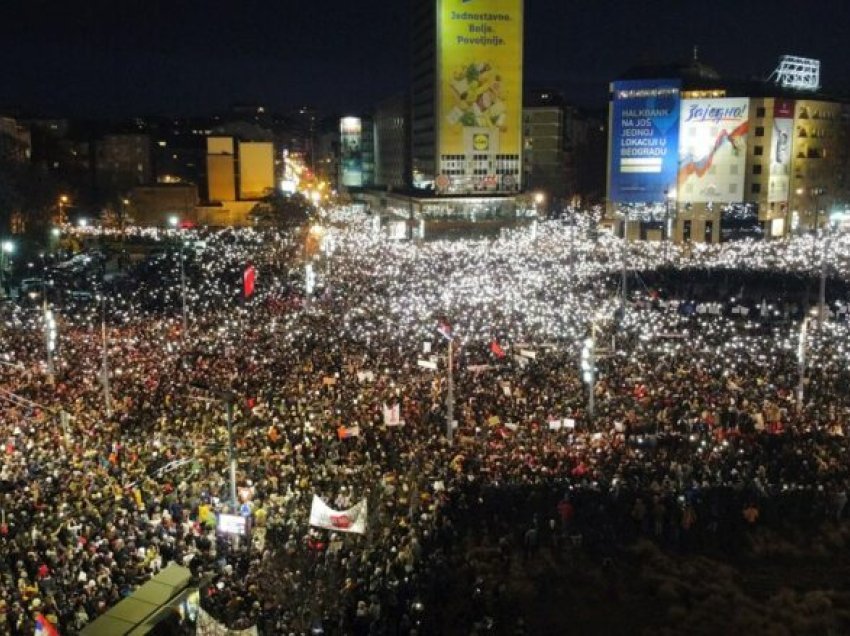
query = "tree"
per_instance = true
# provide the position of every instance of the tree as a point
(283, 210)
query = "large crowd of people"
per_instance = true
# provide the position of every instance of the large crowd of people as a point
(710, 417)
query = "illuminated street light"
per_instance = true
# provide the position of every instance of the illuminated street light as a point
(6, 247)
(670, 196)
(63, 203)
(173, 220)
(83, 222)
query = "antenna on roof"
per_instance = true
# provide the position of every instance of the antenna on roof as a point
(696, 53)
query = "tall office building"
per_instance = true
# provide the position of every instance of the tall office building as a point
(466, 102)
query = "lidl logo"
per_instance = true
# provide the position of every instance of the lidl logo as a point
(481, 141)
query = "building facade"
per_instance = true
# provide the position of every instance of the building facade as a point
(466, 101)
(698, 158)
(392, 139)
(239, 170)
(122, 161)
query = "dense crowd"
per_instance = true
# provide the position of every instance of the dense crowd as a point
(697, 434)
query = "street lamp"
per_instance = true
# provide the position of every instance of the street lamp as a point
(173, 220)
(823, 264)
(802, 345)
(228, 398)
(539, 199)
(83, 222)
(63, 203)
(588, 369)
(50, 332)
(6, 247)
(445, 331)
(669, 196)
(104, 370)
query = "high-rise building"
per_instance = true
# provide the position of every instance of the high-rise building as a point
(544, 144)
(122, 161)
(392, 138)
(466, 101)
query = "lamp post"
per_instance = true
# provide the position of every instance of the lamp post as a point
(228, 398)
(625, 271)
(63, 203)
(450, 394)
(817, 193)
(50, 332)
(183, 296)
(104, 370)
(669, 196)
(6, 247)
(823, 263)
(539, 200)
(588, 369)
(801, 360)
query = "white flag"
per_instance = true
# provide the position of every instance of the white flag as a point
(351, 520)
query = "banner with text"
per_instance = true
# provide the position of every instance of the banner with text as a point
(644, 140)
(713, 150)
(351, 520)
(780, 151)
(480, 78)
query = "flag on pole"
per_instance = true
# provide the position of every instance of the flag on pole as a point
(445, 330)
(496, 349)
(249, 277)
(44, 627)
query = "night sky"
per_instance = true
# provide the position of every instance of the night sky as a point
(125, 57)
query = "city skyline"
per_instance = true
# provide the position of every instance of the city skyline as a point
(97, 59)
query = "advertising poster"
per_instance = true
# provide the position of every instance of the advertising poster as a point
(713, 150)
(480, 77)
(351, 158)
(780, 151)
(644, 140)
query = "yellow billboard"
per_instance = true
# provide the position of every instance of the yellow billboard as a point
(479, 62)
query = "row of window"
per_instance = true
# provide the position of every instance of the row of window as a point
(804, 114)
(479, 157)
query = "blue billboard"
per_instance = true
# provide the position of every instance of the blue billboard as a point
(644, 140)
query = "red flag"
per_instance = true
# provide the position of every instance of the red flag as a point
(496, 350)
(248, 280)
(445, 330)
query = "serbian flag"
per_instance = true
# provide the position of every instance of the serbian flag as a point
(496, 349)
(445, 330)
(44, 627)
(248, 280)
(344, 432)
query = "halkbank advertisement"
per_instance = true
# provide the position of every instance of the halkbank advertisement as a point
(479, 65)
(644, 140)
